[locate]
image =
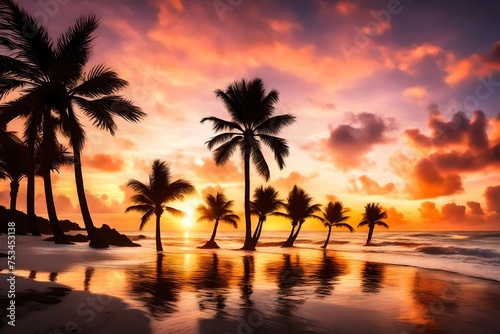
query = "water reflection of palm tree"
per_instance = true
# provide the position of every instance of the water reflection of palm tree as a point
(53, 277)
(247, 279)
(89, 272)
(211, 282)
(157, 287)
(372, 277)
(328, 275)
(288, 276)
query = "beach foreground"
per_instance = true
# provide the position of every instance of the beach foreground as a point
(230, 291)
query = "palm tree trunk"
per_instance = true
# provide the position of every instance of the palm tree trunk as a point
(47, 145)
(297, 233)
(59, 236)
(248, 245)
(256, 230)
(259, 232)
(289, 242)
(370, 233)
(30, 196)
(212, 238)
(14, 189)
(95, 240)
(159, 247)
(327, 237)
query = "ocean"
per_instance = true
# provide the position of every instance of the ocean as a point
(475, 254)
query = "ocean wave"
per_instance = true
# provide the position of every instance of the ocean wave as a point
(477, 252)
(408, 244)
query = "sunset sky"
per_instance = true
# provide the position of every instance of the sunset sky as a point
(396, 102)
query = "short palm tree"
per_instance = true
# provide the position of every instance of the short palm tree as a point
(372, 217)
(51, 76)
(217, 209)
(334, 216)
(298, 208)
(252, 122)
(151, 199)
(265, 202)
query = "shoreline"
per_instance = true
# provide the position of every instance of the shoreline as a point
(215, 289)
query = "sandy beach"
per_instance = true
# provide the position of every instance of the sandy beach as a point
(299, 290)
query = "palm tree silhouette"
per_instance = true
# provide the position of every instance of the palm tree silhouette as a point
(52, 78)
(51, 156)
(251, 110)
(334, 216)
(373, 216)
(151, 199)
(298, 208)
(218, 209)
(265, 202)
(13, 156)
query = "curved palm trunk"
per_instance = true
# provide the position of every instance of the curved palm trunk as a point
(159, 247)
(30, 196)
(289, 242)
(59, 236)
(327, 237)
(248, 245)
(256, 234)
(212, 238)
(297, 233)
(47, 142)
(95, 240)
(370, 233)
(14, 189)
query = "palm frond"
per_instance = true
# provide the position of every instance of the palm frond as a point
(139, 187)
(178, 189)
(100, 81)
(363, 223)
(381, 223)
(142, 208)
(225, 151)
(275, 124)
(173, 211)
(74, 47)
(260, 162)
(219, 139)
(221, 125)
(344, 225)
(145, 218)
(278, 146)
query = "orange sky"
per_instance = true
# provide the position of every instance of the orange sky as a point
(386, 105)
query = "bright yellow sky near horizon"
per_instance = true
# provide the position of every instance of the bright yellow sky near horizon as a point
(377, 101)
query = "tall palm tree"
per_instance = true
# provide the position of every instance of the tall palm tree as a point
(298, 208)
(51, 156)
(252, 121)
(218, 209)
(53, 80)
(334, 216)
(372, 217)
(151, 199)
(265, 202)
(13, 156)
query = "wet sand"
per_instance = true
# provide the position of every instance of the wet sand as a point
(229, 291)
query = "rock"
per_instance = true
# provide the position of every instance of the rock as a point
(72, 238)
(113, 237)
(22, 227)
(209, 245)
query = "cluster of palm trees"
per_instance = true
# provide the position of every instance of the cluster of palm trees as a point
(54, 93)
(152, 199)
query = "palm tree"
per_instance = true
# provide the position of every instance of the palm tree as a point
(52, 78)
(51, 156)
(298, 208)
(13, 156)
(372, 216)
(334, 216)
(252, 121)
(151, 199)
(265, 202)
(218, 209)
